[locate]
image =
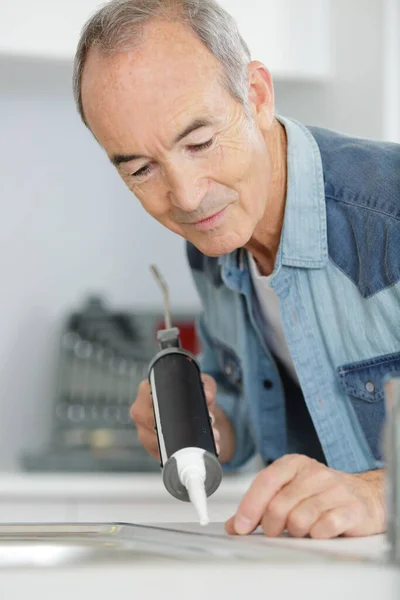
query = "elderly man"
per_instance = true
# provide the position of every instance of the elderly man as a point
(293, 238)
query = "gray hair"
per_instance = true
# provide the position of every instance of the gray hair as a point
(118, 26)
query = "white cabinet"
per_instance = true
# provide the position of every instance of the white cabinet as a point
(391, 71)
(290, 36)
(44, 28)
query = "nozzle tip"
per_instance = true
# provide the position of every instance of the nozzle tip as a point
(197, 494)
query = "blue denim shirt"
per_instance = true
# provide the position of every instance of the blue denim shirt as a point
(337, 276)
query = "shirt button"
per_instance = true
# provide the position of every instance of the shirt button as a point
(228, 369)
(267, 384)
(370, 386)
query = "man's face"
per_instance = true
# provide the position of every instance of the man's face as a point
(181, 143)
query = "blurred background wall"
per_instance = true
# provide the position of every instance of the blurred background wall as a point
(69, 226)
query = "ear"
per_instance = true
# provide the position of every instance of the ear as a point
(261, 94)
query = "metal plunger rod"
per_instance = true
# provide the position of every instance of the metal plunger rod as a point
(164, 288)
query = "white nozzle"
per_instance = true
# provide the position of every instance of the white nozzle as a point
(192, 473)
(194, 484)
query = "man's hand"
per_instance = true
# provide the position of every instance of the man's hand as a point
(307, 498)
(143, 415)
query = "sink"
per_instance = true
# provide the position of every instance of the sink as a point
(53, 545)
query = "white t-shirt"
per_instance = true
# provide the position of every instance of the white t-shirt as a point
(273, 328)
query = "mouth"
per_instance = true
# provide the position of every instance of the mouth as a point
(211, 222)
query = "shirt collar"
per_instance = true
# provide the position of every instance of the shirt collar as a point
(304, 237)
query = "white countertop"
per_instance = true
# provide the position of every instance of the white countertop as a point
(133, 487)
(342, 579)
(175, 581)
(218, 578)
(374, 547)
(89, 488)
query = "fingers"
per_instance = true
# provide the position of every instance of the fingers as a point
(338, 521)
(142, 409)
(210, 389)
(143, 415)
(299, 518)
(216, 434)
(148, 439)
(230, 526)
(297, 505)
(265, 486)
(306, 498)
(217, 438)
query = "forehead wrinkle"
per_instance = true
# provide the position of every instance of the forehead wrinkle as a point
(158, 134)
(163, 118)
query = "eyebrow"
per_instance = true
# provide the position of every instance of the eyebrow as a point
(118, 159)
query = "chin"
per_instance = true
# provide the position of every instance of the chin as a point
(218, 245)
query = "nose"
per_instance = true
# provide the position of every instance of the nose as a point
(186, 190)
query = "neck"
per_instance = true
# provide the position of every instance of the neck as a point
(264, 242)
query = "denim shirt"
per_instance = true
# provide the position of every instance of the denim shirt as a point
(337, 276)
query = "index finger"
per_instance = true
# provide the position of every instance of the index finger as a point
(263, 489)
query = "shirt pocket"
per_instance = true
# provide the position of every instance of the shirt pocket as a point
(229, 366)
(364, 382)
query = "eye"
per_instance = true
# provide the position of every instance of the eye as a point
(142, 172)
(200, 147)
